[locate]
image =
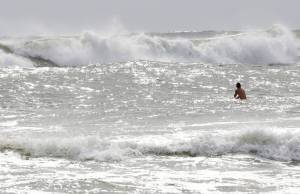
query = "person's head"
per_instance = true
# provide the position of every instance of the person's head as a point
(238, 85)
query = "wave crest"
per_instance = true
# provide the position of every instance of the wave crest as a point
(267, 144)
(277, 45)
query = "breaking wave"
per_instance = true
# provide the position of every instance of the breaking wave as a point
(11, 60)
(266, 144)
(276, 45)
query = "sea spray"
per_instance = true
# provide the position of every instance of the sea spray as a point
(276, 45)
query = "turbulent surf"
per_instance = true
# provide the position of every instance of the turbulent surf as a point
(150, 112)
(277, 45)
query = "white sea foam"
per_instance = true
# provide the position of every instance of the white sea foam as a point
(277, 45)
(11, 60)
(267, 144)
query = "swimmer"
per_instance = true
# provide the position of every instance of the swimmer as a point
(239, 92)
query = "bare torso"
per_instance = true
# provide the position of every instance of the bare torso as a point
(240, 94)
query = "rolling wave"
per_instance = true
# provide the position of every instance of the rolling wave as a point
(277, 45)
(9, 58)
(266, 144)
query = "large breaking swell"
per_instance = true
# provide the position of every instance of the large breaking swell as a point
(264, 143)
(277, 45)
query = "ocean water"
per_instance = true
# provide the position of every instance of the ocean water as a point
(150, 113)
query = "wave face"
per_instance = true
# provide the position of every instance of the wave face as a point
(277, 45)
(266, 144)
(11, 60)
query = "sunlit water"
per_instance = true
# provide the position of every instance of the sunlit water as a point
(150, 127)
(164, 124)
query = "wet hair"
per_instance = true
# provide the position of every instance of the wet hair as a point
(238, 85)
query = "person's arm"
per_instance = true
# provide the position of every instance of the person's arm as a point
(236, 94)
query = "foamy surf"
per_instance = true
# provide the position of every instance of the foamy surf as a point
(267, 144)
(277, 45)
(149, 113)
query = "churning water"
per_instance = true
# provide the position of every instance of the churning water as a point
(150, 113)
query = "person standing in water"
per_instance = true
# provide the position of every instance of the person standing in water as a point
(239, 92)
